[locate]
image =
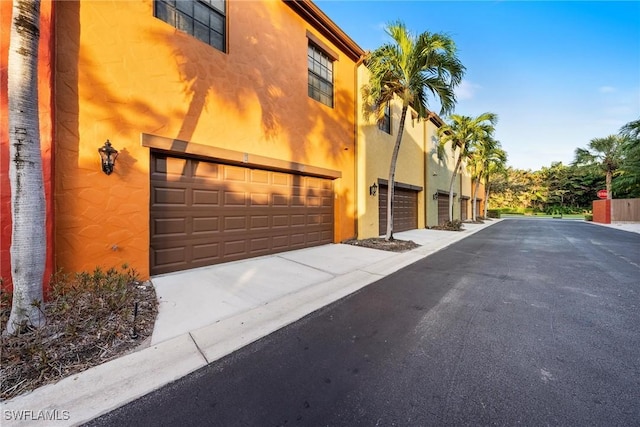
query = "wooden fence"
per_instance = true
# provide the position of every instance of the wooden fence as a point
(616, 210)
(625, 210)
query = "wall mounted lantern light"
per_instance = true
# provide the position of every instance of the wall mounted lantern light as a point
(373, 190)
(435, 196)
(108, 156)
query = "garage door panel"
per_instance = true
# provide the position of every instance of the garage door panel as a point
(169, 227)
(259, 176)
(205, 171)
(280, 179)
(170, 168)
(259, 245)
(205, 197)
(208, 252)
(206, 224)
(234, 223)
(223, 213)
(259, 222)
(169, 196)
(405, 209)
(170, 256)
(235, 173)
(259, 199)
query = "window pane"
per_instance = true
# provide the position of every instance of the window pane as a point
(185, 6)
(165, 13)
(218, 4)
(185, 23)
(320, 75)
(203, 19)
(216, 40)
(217, 23)
(201, 32)
(201, 13)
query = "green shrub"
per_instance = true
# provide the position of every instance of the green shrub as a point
(493, 213)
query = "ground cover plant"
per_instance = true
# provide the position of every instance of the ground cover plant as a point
(91, 318)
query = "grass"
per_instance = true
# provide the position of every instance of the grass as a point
(542, 216)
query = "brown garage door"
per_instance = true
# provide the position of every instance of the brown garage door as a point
(205, 213)
(405, 209)
(464, 203)
(443, 208)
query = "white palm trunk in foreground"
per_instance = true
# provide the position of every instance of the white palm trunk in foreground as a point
(28, 242)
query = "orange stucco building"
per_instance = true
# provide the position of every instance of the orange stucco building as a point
(236, 136)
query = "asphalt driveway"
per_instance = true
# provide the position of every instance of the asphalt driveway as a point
(526, 322)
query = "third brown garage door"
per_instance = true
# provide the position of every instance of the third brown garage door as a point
(405, 209)
(205, 213)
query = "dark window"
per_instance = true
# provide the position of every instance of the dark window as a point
(203, 19)
(385, 124)
(320, 75)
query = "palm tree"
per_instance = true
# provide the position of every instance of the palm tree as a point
(495, 166)
(628, 180)
(604, 154)
(486, 156)
(463, 132)
(25, 168)
(408, 68)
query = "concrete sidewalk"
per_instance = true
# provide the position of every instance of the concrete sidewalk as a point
(207, 313)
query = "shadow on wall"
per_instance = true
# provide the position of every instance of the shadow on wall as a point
(262, 70)
(92, 104)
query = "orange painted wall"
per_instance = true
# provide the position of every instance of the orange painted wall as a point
(121, 72)
(45, 105)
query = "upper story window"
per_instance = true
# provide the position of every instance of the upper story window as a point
(385, 124)
(203, 19)
(320, 75)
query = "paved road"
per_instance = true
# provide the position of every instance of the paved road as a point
(528, 322)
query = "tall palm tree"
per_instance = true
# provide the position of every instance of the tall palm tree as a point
(409, 68)
(486, 151)
(25, 168)
(462, 132)
(604, 154)
(495, 164)
(628, 180)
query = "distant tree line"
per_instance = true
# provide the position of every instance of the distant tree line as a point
(611, 163)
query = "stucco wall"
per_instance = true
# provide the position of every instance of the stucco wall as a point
(375, 148)
(121, 72)
(439, 172)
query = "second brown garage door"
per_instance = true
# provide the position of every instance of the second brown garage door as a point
(443, 208)
(405, 209)
(205, 213)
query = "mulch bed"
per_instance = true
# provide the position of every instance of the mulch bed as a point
(87, 325)
(384, 245)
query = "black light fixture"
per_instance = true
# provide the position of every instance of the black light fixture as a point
(108, 156)
(373, 190)
(435, 196)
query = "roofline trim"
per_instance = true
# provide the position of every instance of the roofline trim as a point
(321, 22)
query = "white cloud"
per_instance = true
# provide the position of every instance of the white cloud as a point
(466, 90)
(607, 89)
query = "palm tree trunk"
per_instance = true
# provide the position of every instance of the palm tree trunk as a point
(608, 184)
(453, 181)
(392, 175)
(28, 243)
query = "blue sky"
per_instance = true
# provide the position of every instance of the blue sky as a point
(558, 74)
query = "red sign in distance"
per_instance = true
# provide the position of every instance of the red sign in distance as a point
(602, 194)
